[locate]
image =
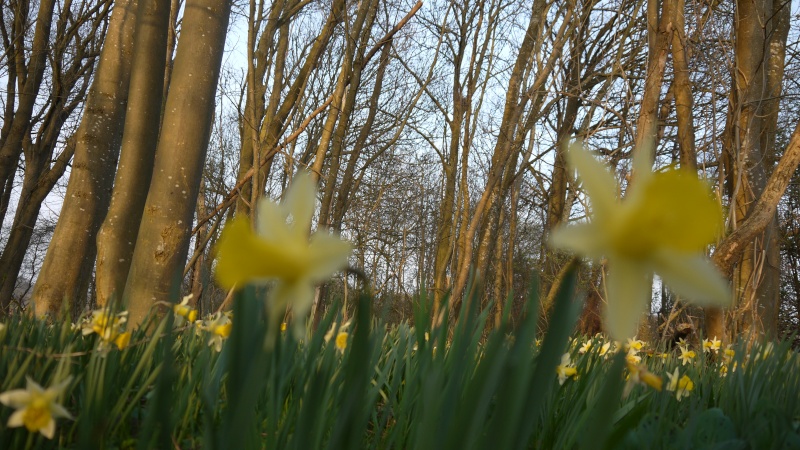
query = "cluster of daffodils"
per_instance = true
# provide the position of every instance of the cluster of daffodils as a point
(663, 225)
(280, 253)
(637, 370)
(109, 327)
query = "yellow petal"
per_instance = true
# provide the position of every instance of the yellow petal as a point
(692, 277)
(678, 210)
(598, 182)
(243, 257)
(629, 290)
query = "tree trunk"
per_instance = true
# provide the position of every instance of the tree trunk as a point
(163, 239)
(730, 250)
(67, 266)
(116, 238)
(761, 31)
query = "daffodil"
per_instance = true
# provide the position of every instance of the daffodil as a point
(585, 347)
(341, 341)
(635, 344)
(109, 327)
(687, 355)
(183, 312)
(566, 369)
(335, 329)
(663, 225)
(36, 407)
(280, 250)
(728, 354)
(219, 326)
(638, 374)
(682, 386)
(632, 357)
(711, 345)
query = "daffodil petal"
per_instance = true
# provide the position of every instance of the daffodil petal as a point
(300, 202)
(581, 238)
(16, 419)
(678, 209)
(16, 398)
(243, 256)
(33, 386)
(693, 277)
(271, 221)
(598, 182)
(49, 430)
(329, 254)
(629, 289)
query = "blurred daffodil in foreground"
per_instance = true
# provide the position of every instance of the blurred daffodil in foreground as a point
(663, 225)
(280, 250)
(36, 407)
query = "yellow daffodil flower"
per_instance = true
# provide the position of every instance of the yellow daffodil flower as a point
(728, 354)
(635, 344)
(335, 329)
(341, 341)
(604, 349)
(632, 357)
(638, 374)
(36, 408)
(711, 345)
(663, 225)
(183, 312)
(566, 369)
(585, 347)
(219, 326)
(687, 355)
(682, 386)
(109, 327)
(280, 250)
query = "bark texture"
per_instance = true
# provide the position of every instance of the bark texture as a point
(163, 239)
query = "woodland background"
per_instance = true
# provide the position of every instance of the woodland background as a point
(132, 130)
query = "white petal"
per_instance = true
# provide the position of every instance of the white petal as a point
(59, 411)
(629, 291)
(32, 386)
(300, 201)
(693, 277)
(271, 223)
(581, 238)
(598, 182)
(16, 418)
(328, 254)
(16, 398)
